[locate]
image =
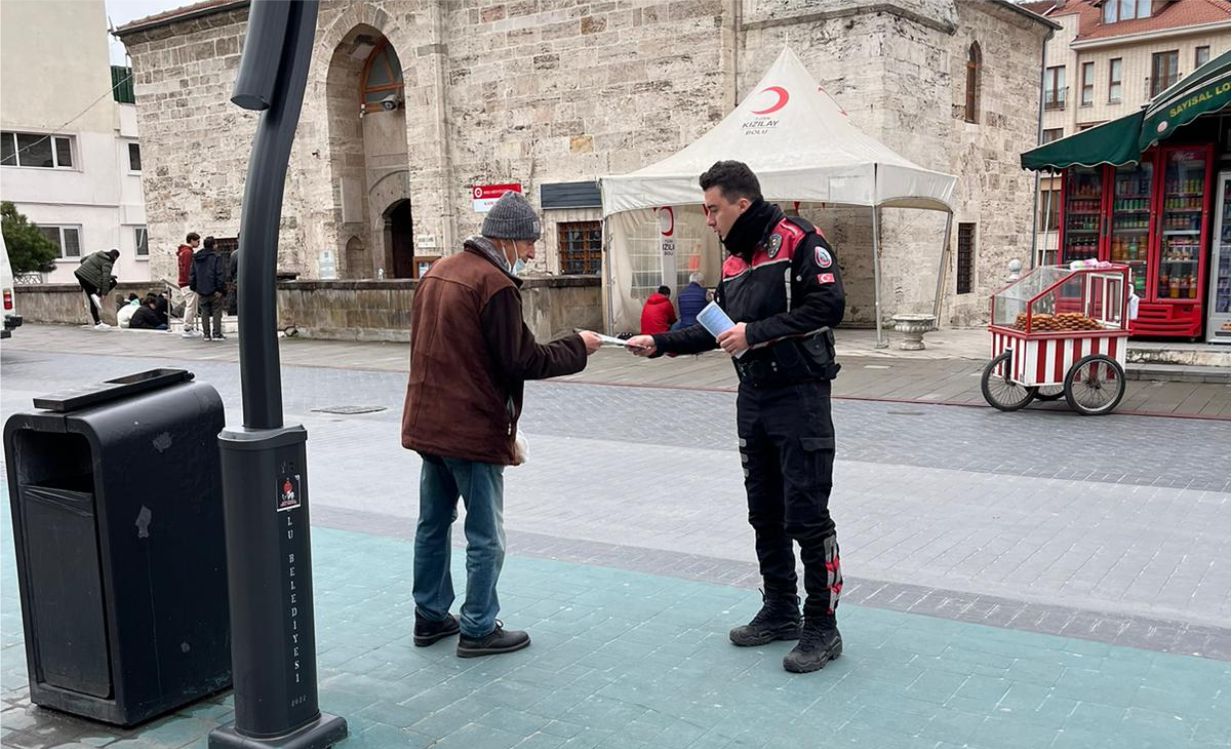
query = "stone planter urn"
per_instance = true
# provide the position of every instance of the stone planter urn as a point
(913, 328)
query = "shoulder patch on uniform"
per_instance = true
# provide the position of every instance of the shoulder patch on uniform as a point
(822, 256)
(825, 278)
(773, 245)
(734, 266)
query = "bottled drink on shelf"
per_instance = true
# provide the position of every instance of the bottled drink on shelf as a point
(1174, 287)
(1193, 287)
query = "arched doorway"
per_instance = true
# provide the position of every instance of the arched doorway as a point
(368, 156)
(399, 239)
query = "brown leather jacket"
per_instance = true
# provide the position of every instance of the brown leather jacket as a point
(470, 354)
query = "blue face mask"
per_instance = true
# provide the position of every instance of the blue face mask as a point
(519, 264)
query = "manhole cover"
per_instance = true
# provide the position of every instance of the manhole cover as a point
(349, 410)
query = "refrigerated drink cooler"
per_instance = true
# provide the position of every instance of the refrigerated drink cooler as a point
(1154, 218)
(1219, 311)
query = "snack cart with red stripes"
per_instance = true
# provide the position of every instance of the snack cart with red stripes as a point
(1060, 332)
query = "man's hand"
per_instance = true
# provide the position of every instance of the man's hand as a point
(591, 340)
(733, 340)
(641, 345)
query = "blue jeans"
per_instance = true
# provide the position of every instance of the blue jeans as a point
(482, 488)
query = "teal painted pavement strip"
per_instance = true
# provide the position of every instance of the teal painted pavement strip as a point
(630, 660)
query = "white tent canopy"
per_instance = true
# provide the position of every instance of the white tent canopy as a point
(802, 146)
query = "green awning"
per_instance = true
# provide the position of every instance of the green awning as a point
(1203, 92)
(1114, 142)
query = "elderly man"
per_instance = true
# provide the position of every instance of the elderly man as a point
(470, 355)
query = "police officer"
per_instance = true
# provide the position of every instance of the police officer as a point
(781, 286)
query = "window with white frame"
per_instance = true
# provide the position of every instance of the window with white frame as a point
(1114, 81)
(142, 238)
(1126, 10)
(1054, 87)
(134, 157)
(1088, 84)
(36, 150)
(1202, 55)
(66, 238)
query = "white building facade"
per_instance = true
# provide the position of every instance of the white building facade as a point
(70, 158)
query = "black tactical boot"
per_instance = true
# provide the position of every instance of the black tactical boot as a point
(819, 644)
(779, 619)
(428, 632)
(495, 642)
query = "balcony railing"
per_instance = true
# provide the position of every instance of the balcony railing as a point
(1054, 98)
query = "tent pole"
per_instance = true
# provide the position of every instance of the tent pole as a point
(945, 253)
(1035, 206)
(881, 343)
(608, 278)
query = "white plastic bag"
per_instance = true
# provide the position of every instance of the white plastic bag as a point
(521, 448)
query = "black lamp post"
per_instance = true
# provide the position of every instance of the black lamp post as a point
(264, 463)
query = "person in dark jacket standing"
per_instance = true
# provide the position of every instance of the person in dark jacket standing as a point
(470, 355)
(233, 281)
(208, 280)
(692, 300)
(658, 314)
(184, 259)
(94, 277)
(783, 351)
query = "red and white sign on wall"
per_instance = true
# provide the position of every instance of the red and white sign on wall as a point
(483, 197)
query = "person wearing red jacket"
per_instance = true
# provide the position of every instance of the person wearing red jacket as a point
(184, 257)
(658, 314)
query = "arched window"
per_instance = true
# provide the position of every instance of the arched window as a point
(382, 79)
(974, 62)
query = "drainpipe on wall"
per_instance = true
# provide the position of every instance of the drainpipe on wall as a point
(1039, 138)
(737, 27)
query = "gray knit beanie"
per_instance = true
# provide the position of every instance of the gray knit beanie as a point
(512, 218)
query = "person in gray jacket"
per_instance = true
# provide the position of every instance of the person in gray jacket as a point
(94, 276)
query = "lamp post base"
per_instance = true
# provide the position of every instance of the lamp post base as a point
(323, 732)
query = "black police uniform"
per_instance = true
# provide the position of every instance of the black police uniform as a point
(789, 297)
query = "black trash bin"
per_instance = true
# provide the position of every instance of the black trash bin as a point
(116, 492)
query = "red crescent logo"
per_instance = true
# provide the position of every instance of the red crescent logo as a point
(782, 95)
(671, 221)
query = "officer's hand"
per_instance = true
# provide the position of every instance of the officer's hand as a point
(591, 340)
(733, 341)
(641, 345)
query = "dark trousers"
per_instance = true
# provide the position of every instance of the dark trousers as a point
(787, 448)
(89, 290)
(211, 309)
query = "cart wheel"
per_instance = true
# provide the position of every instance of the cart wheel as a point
(1049, 392)
(999, 390)
(1095, 385)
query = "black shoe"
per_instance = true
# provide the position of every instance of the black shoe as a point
(779, 619)
(428, 632)
(495, 642)
(819, 644)
(206, 338)
(220, 337)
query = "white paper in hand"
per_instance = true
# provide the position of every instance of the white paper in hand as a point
(715, 321)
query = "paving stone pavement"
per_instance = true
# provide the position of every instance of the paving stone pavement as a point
(630, 558)
(626, 659)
